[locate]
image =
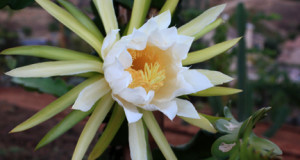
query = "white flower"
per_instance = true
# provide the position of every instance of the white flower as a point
(143, 72)
(144, 69)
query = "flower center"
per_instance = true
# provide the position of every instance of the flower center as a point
(147, 69)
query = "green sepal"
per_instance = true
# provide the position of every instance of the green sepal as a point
(216, 91)
(114, 124)
(55, 107)
(208, 28)
(202, 123)
(102, 107)
(169, 5)
(72, 23)
(49, 52)
(210, 52)
(63, 126)
(81, 17)
(138, 15)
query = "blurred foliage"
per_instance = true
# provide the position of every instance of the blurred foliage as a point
(15, 4)
(54, 86)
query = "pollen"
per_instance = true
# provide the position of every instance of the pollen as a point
(147, 69)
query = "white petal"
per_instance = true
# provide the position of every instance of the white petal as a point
(164, 38)
(215, 77)
(186, 109)
(193, 81)
(123, 82)
(125, 59)
(137, 142)
(163, 19)
(138, 40)
(181, 48)
(108, 42)
(57, 68)
(131, 111)
(149, 26)
(137, 96)
(114, 71)
(90, 94)
(168, 108)
(113, 54)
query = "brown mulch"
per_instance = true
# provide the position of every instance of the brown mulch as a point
(17, 105)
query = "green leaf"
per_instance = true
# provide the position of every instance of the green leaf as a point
(55, 107)
(210, 52)
(264, 145)
(216, 91)
(63, 126)
(54, 86)
(49, 52)
(15, 4)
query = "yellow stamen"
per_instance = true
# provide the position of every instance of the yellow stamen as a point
(147, 70)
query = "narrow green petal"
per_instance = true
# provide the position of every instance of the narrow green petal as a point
(169, 5)
(63, 126)
(57, 68)
(217, 91)
(158, 135)
(82, 18)
(138, 15)
(195, 26)
(107, 13)
(215, 77)
(49, 52)
(72, 23)
(89, 131)
(210, 52)
(111, 129)
(137, 142)
(202, 123)
(208, 28)
(55, 107)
